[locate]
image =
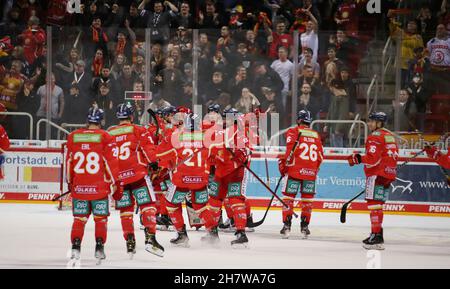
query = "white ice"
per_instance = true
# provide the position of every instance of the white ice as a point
(37, 236)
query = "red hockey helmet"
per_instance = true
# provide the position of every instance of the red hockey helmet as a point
(184, 109)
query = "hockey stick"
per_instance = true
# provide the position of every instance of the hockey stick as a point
(153, 115)
(345, 206)
(60, 196)
(291, 154)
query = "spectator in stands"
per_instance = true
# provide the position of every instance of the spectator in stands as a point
(97, 64)
(439, 49)
(278, 38)
(11, 83)
(56, 103)
(209, 18)
(33, 39)
(169, 81)
(420, 64)
(105, 78)
(247, 102)
(184, 18)
(307, 61)
(186, 98)
(27, 101)
(157, 59)
(82, 78)
(67, 67)
(106, 101)
(338, 110)
(213, 89)
(310, 39)
(331, 67)
(159, 20)
(243, 57)
(266, 77)
(410, 39)
(285, 68)
(308, 101)
(406, 109)
(270, 102)
(76, 106)
(225, 41)
(183, 40)
(426, 23)
(237, 83)
(350, 89)
(444, 15)
(347, 17)
(420, 95)
(117, 67)
(126, 40)
(95, 38)
(127, 79)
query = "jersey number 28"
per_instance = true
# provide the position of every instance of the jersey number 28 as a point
(89, 163)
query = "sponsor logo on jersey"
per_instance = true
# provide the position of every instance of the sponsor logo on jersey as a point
(121, 130)
(307, 172)
(390, 170)
(192, 179)
(87, 137)
(86, 190)
(126, 174)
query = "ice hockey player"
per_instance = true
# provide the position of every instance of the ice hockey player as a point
(380, 167)
(135, 151)
(187, 158)
(440, 158)
(156, 129)
(91, 175)
(230, 153)
(4, 143)
(300, 172)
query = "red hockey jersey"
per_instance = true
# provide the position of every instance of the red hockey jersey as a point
(308, 154)
(135, 150)
(4, 145)
(444, 160)
(381, 155)
(90, 163)
(188, 158)
(225, 140)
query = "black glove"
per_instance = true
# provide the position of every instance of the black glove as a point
(153, 166)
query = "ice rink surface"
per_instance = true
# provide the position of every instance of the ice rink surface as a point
(37, 236)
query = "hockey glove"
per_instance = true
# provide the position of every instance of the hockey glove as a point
(432, 152)
(354, 159)
(118, 194)
(240, 156)
(282, 166)
(153, 166)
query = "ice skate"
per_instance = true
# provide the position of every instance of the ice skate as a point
(228, 226)
(241, 240)
(304, 230)
(286, 230)
(249, 229)
(374, 242)
(131, 245)
(75, 254)
(211, 237)
(99, 251)
(163, 222)
(152, 246)
(182, 239)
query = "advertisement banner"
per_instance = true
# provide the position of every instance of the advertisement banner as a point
(421, 188)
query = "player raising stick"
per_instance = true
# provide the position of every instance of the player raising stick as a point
(91, 170)
(300, 172)
(135, 151)
(380, 167)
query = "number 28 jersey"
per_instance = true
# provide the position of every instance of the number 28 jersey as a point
(90, 163)
(308, 154)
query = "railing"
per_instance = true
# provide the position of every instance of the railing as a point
(350, 133)
(354, 122)
(386, 64)
(51, 124)
(373, 83)
(22, 114)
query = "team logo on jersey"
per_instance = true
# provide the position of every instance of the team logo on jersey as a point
(192, 180)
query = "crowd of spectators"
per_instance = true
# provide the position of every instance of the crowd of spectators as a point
(244, 50)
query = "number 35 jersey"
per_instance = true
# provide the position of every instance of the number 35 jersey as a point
(91, 167)
(135, 150)
(308, 154)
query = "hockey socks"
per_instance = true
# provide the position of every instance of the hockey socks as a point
(101, 228)
(78, 228)
(376, 216)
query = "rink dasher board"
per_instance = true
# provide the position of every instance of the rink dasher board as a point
(32, 176)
